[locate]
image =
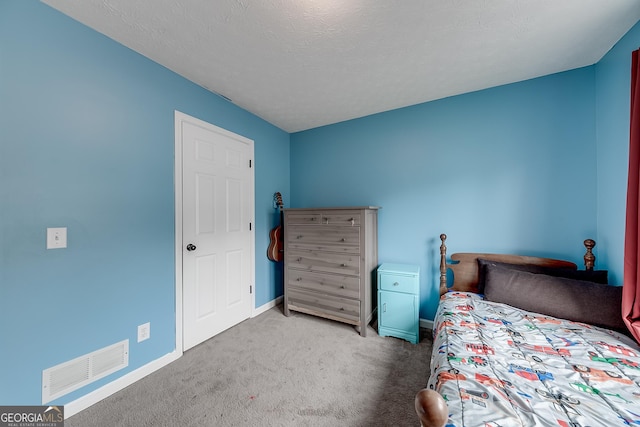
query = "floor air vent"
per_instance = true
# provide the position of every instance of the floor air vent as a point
(69, 376)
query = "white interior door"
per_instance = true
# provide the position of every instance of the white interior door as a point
(217, 243)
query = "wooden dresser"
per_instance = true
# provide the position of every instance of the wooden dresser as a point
(331, 256)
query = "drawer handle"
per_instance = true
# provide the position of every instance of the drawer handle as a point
(299, 279)
(384, 307)
(343, 265)
(343, 240)
(299, 259)
(327, 221)
(352, 221)
(341, 308)
(396, 284)
(299, 236)
(342, 287)
(313, 218)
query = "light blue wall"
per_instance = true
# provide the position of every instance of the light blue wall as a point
(87, 142)
(508, 169)
(613, 94)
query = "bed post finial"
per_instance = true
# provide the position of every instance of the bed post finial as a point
(443, 264)
(431, 408)
(589, 257)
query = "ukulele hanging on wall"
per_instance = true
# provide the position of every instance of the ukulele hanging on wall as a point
(275, 251)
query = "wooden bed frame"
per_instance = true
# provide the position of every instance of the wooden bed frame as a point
(465, 269)
(430, 406)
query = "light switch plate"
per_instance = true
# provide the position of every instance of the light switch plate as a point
(57, 238)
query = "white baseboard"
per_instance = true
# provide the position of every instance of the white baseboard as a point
(428, 324)
(259, 310)
(126, 380)
(118, 384)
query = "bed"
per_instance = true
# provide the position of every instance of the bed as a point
(528, 341)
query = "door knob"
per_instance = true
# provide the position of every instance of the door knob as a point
(191, 247)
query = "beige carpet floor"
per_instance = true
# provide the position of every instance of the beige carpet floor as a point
(273, 370)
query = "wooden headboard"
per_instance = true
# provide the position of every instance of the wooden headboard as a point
(465, 268)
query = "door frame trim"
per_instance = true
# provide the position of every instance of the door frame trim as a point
(180, 118)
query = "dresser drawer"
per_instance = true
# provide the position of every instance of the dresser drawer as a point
(308, 218)
(330, 234)
(341, 218)
(329, 238)
(322, 304)
(343, 286)
(323, 261)
(398, 283)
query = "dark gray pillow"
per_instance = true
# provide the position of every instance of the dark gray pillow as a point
(577, 300)
(597, 276)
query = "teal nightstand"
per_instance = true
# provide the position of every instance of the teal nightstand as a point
(398, 301)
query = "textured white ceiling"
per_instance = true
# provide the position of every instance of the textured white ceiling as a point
(300, 64)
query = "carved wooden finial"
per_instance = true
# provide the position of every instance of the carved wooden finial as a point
(431, 409)
(443, 264)
(589, 257)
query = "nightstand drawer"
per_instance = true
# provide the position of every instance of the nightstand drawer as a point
(398, 283)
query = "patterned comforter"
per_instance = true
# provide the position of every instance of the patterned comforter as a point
(496, 365)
